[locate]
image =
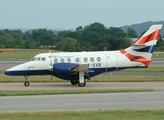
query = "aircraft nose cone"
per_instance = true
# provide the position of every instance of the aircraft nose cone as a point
(7, 72)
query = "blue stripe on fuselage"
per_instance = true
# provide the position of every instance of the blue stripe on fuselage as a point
(27, 72)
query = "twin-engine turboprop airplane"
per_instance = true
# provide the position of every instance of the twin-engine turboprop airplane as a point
(78, 66)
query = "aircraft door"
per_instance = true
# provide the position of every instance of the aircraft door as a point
(111, 62)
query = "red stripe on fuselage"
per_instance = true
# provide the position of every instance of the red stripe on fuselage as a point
(136, 58)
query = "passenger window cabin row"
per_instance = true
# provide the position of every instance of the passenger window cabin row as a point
(85, 59)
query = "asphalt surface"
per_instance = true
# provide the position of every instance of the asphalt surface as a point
(141, 100)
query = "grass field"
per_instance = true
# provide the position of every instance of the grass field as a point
(128, 114)
(158, 55)
(55, 92)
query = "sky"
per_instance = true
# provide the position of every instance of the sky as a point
(69, 14)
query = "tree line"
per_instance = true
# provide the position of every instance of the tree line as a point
(93, 37)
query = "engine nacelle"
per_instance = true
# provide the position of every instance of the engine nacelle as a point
(64, 67)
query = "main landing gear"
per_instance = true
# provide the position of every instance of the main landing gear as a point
(81, 82)
(75, 82)
(26, 82)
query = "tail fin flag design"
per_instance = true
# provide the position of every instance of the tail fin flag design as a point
(142, 49)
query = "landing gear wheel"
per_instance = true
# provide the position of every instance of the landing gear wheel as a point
(74, 82)
(26, 83)
(81, 84)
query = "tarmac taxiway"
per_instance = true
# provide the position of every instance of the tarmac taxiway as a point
(103, 101)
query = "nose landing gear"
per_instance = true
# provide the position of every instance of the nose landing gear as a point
(26, 82)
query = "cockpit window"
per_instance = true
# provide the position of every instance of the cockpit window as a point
(38, 59)
(33, 59)
(43, 59)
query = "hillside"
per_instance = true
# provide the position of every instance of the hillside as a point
(139, 28)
